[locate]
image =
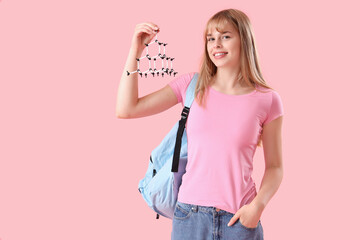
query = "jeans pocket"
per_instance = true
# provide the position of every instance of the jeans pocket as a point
(182, 211)
(249, 228)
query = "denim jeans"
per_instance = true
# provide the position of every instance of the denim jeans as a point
(195, 222)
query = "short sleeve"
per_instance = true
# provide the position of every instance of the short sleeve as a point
(179, 85)
(276, 108)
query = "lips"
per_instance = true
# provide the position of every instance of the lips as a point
(219, 52)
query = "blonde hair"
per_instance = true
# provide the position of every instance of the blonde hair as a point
(249, 67)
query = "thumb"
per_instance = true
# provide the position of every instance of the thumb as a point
(232, 220)
(149, 38)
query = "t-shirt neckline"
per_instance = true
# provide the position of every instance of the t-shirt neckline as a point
(231, 95)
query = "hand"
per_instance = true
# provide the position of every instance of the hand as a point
(248, 215)
(144, 33)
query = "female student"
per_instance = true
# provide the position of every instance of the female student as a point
(233, 112)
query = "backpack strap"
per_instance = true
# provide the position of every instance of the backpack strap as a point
(190, 92)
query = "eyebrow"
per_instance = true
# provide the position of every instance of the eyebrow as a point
(209, 34)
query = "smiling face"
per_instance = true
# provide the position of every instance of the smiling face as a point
(226, 41)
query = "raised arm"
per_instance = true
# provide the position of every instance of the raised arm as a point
(128, 104)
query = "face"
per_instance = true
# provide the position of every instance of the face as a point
(227, 41)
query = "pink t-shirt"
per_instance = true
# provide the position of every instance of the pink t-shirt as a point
(221, 144)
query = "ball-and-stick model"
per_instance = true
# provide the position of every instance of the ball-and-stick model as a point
(163, 70)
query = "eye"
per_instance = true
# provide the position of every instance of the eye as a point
(209, 39)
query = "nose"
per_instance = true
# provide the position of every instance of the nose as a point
(217, 44)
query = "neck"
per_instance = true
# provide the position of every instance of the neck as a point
(227, 79)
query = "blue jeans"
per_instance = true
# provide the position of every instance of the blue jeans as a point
(194, 222)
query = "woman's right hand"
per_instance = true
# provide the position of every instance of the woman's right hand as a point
(144, 33)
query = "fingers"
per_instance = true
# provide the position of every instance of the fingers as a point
(153, 26)
(234, 219)
(144, 32)
(149, 28)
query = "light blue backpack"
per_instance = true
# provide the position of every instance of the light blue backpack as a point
(162, 180)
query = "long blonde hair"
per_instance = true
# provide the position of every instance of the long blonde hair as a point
(249, 67)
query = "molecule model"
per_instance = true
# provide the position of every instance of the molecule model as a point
(163, 57)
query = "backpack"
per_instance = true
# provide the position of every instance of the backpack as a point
(167, 164)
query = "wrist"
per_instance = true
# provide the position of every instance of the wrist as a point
(259, 204)
(136, 51)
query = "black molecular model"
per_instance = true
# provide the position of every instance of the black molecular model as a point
(163, 70)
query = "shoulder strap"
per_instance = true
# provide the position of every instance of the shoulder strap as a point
(190, 92)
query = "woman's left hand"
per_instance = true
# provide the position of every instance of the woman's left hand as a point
(248, 215)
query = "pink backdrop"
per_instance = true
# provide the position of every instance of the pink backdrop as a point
(69, 168)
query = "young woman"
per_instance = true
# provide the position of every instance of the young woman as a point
(233, 112)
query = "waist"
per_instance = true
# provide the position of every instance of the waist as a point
(205, 209)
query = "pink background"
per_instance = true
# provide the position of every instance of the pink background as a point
(70, 169)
